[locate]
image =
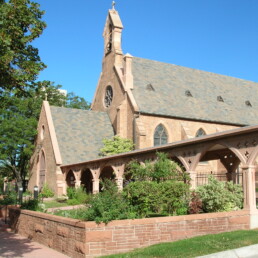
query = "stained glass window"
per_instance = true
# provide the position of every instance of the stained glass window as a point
(160, 135)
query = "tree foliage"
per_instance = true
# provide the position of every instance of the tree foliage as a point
(116, 145)
(74, 101)
(160, 170)
(18, 125)
(20, 95)
(20, 24)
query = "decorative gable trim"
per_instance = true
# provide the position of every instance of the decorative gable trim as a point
(129, 92)
(52, 133)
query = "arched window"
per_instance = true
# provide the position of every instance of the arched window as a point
(42, 132)
(160, 135)
(200, 133)
(42, 170)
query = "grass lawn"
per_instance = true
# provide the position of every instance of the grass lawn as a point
(196, 246)
(54, 204)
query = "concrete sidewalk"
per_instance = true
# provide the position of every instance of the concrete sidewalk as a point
(250, 251)
(14, 245)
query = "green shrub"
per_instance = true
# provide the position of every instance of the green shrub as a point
(9, 198)
(150, 197)
(143, 196)
(72, 202)
(32, 204)
(81, 196)
(174, 197)
(46, 192)
(108, 205)
(161, 170)
(70, 192)
(220, 196)
(28, 193)
(77, 196)
(74, 213)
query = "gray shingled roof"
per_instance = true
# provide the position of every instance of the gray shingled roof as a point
(168, 96)
(80, 133)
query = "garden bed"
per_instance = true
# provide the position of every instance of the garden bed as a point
(88, 239)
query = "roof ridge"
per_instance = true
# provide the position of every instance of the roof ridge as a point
(78, 109)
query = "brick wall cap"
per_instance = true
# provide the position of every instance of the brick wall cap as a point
(129, 222)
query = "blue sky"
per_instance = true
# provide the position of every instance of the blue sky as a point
(219, 36)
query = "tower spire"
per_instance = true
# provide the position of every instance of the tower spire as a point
(113, 5)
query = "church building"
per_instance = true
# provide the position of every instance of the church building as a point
(150, 102)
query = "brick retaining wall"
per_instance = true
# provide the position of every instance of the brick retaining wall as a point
(87, 239)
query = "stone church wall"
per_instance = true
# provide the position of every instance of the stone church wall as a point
(178, 129)
(43, 143)
(118, 111)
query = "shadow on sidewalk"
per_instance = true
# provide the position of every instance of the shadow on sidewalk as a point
(13, 245)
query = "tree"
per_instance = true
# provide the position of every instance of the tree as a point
(116, 145)
(73, 101)
(18, 122)
(20, 95)
(20, 24)
(18, 125)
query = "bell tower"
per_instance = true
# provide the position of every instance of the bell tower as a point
(112, 33)
(111, 93)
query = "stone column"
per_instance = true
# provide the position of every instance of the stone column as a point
(77, 183)
(77, 180)
(119, 182)
(95, 186)
(249, 187)
(192, 175)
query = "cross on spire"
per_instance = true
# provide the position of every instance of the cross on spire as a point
(113, 5)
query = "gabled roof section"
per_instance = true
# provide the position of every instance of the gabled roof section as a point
(80, 133)
(171, 82)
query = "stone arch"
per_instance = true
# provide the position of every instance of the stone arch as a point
(253, 157)
(181, 166)
(160, 134)
(86, 180)
(107, 172)
(200, 155)
(227, 162)
(182, 161)
(178, 161)
(70, 179)
(42, 169)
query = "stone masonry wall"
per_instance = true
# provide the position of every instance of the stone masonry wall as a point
(46, 145)
(87, 239)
